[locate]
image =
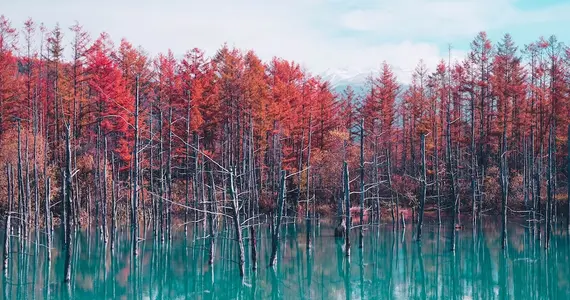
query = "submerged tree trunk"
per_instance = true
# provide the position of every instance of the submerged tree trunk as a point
(277, 224)
(568, 199)
(8, 215)
(308, 197)
(396, 214)
(113, 202)
(47, 217)
(436, 172)
(67, 204)
(21, 201)
(212, 216)
(549, 190)
(451, 174)
(187, 166)
(533, 183)
(347, 209)
(423, 186)
(237, 224)
(361, 231)
(169, 179)
(473, 167)
(504, 170)
(135, 176)
(151, 174)
(104, 204)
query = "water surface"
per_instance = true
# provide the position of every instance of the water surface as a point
(392, 265)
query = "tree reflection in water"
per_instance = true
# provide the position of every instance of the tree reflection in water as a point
(392, 265)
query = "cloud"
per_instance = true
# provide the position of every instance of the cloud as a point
(319, 34)
(431, 19)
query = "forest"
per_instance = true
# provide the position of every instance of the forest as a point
(98, 135)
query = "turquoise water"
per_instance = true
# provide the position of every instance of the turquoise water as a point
(392, 265)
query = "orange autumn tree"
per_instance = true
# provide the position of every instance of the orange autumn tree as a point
(111, 107)
(9, 77)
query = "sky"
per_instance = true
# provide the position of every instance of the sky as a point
(323, 36)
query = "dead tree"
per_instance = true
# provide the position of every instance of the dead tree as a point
(97, 195)
(67, 204)
(308, 196)
(187, 165)
(161, 180)
(104, 204)
(340, 229)
(212, 216)
(47, 217)
(396, 215)
(436, 176)
(347, 209)
(151, 174)
(534, 183)
(114, 195)
(473, 167)
(8, 216)
(169, 177)
(504, 170)
(21, 200)
(452, 181)
(549, 189)
(568, 214)
(423, 187)
(135, 176)
(361, 231)
(277, 224)
(237, 224)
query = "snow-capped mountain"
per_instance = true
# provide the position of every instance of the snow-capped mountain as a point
(341, 78)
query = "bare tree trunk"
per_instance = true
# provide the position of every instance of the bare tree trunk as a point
(237, 224)
(277, 224)
(135, 176)
(504, 168)
(67, 204)
(423, 183)
(187, 166)
(27, 186)
(533, 181)
(452, 183)
(47, 216)
(395, 215)
(113, 202)
(340, 229)
(526, 181)
(21, 200)
(104, 204)
(361, 231)
(212, 216)
(436, 171)
(549, 190)
(169, 177)
(8, 216)
(568, 184)
(376, 180)
(36, 177)
(151, 174)
(308, 195)
(161, 181)
(473, 167)
(89, 208)
(347, 210)
(97, 191)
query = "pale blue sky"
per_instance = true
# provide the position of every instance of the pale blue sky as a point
(319, 34)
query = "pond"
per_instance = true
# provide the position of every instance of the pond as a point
(392, 265)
